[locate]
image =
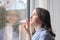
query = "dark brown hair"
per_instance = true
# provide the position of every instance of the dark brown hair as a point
(44, 16)
(3, 14)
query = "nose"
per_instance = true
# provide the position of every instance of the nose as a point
(30, 16)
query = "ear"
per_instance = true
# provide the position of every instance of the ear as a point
(40, 21)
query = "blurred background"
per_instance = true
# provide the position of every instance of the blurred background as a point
(24, 8)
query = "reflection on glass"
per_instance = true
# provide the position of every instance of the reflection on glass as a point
(18, 4)
(18, 9)
(17, 13)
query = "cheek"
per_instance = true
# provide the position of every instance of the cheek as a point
(34, 20)
(13, 18)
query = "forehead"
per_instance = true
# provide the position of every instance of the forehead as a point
(34, 11)
(12, 13)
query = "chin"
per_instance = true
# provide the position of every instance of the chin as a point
(31, 23)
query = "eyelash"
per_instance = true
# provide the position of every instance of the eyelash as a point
(33, 14)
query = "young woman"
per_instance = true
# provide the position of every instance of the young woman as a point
(40, 20)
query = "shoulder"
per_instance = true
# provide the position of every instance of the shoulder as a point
(45, 32)
(1, 32)
(45, 35)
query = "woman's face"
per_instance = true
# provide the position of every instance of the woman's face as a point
(13, 19)
(34, 18)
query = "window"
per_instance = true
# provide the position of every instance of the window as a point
(18, 11)
(19, 7)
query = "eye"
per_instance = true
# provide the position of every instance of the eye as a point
(34, 14)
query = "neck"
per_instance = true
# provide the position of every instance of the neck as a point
(37, 27)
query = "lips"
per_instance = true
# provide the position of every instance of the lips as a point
(30, 19)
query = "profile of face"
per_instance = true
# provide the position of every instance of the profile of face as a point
(34, 19)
